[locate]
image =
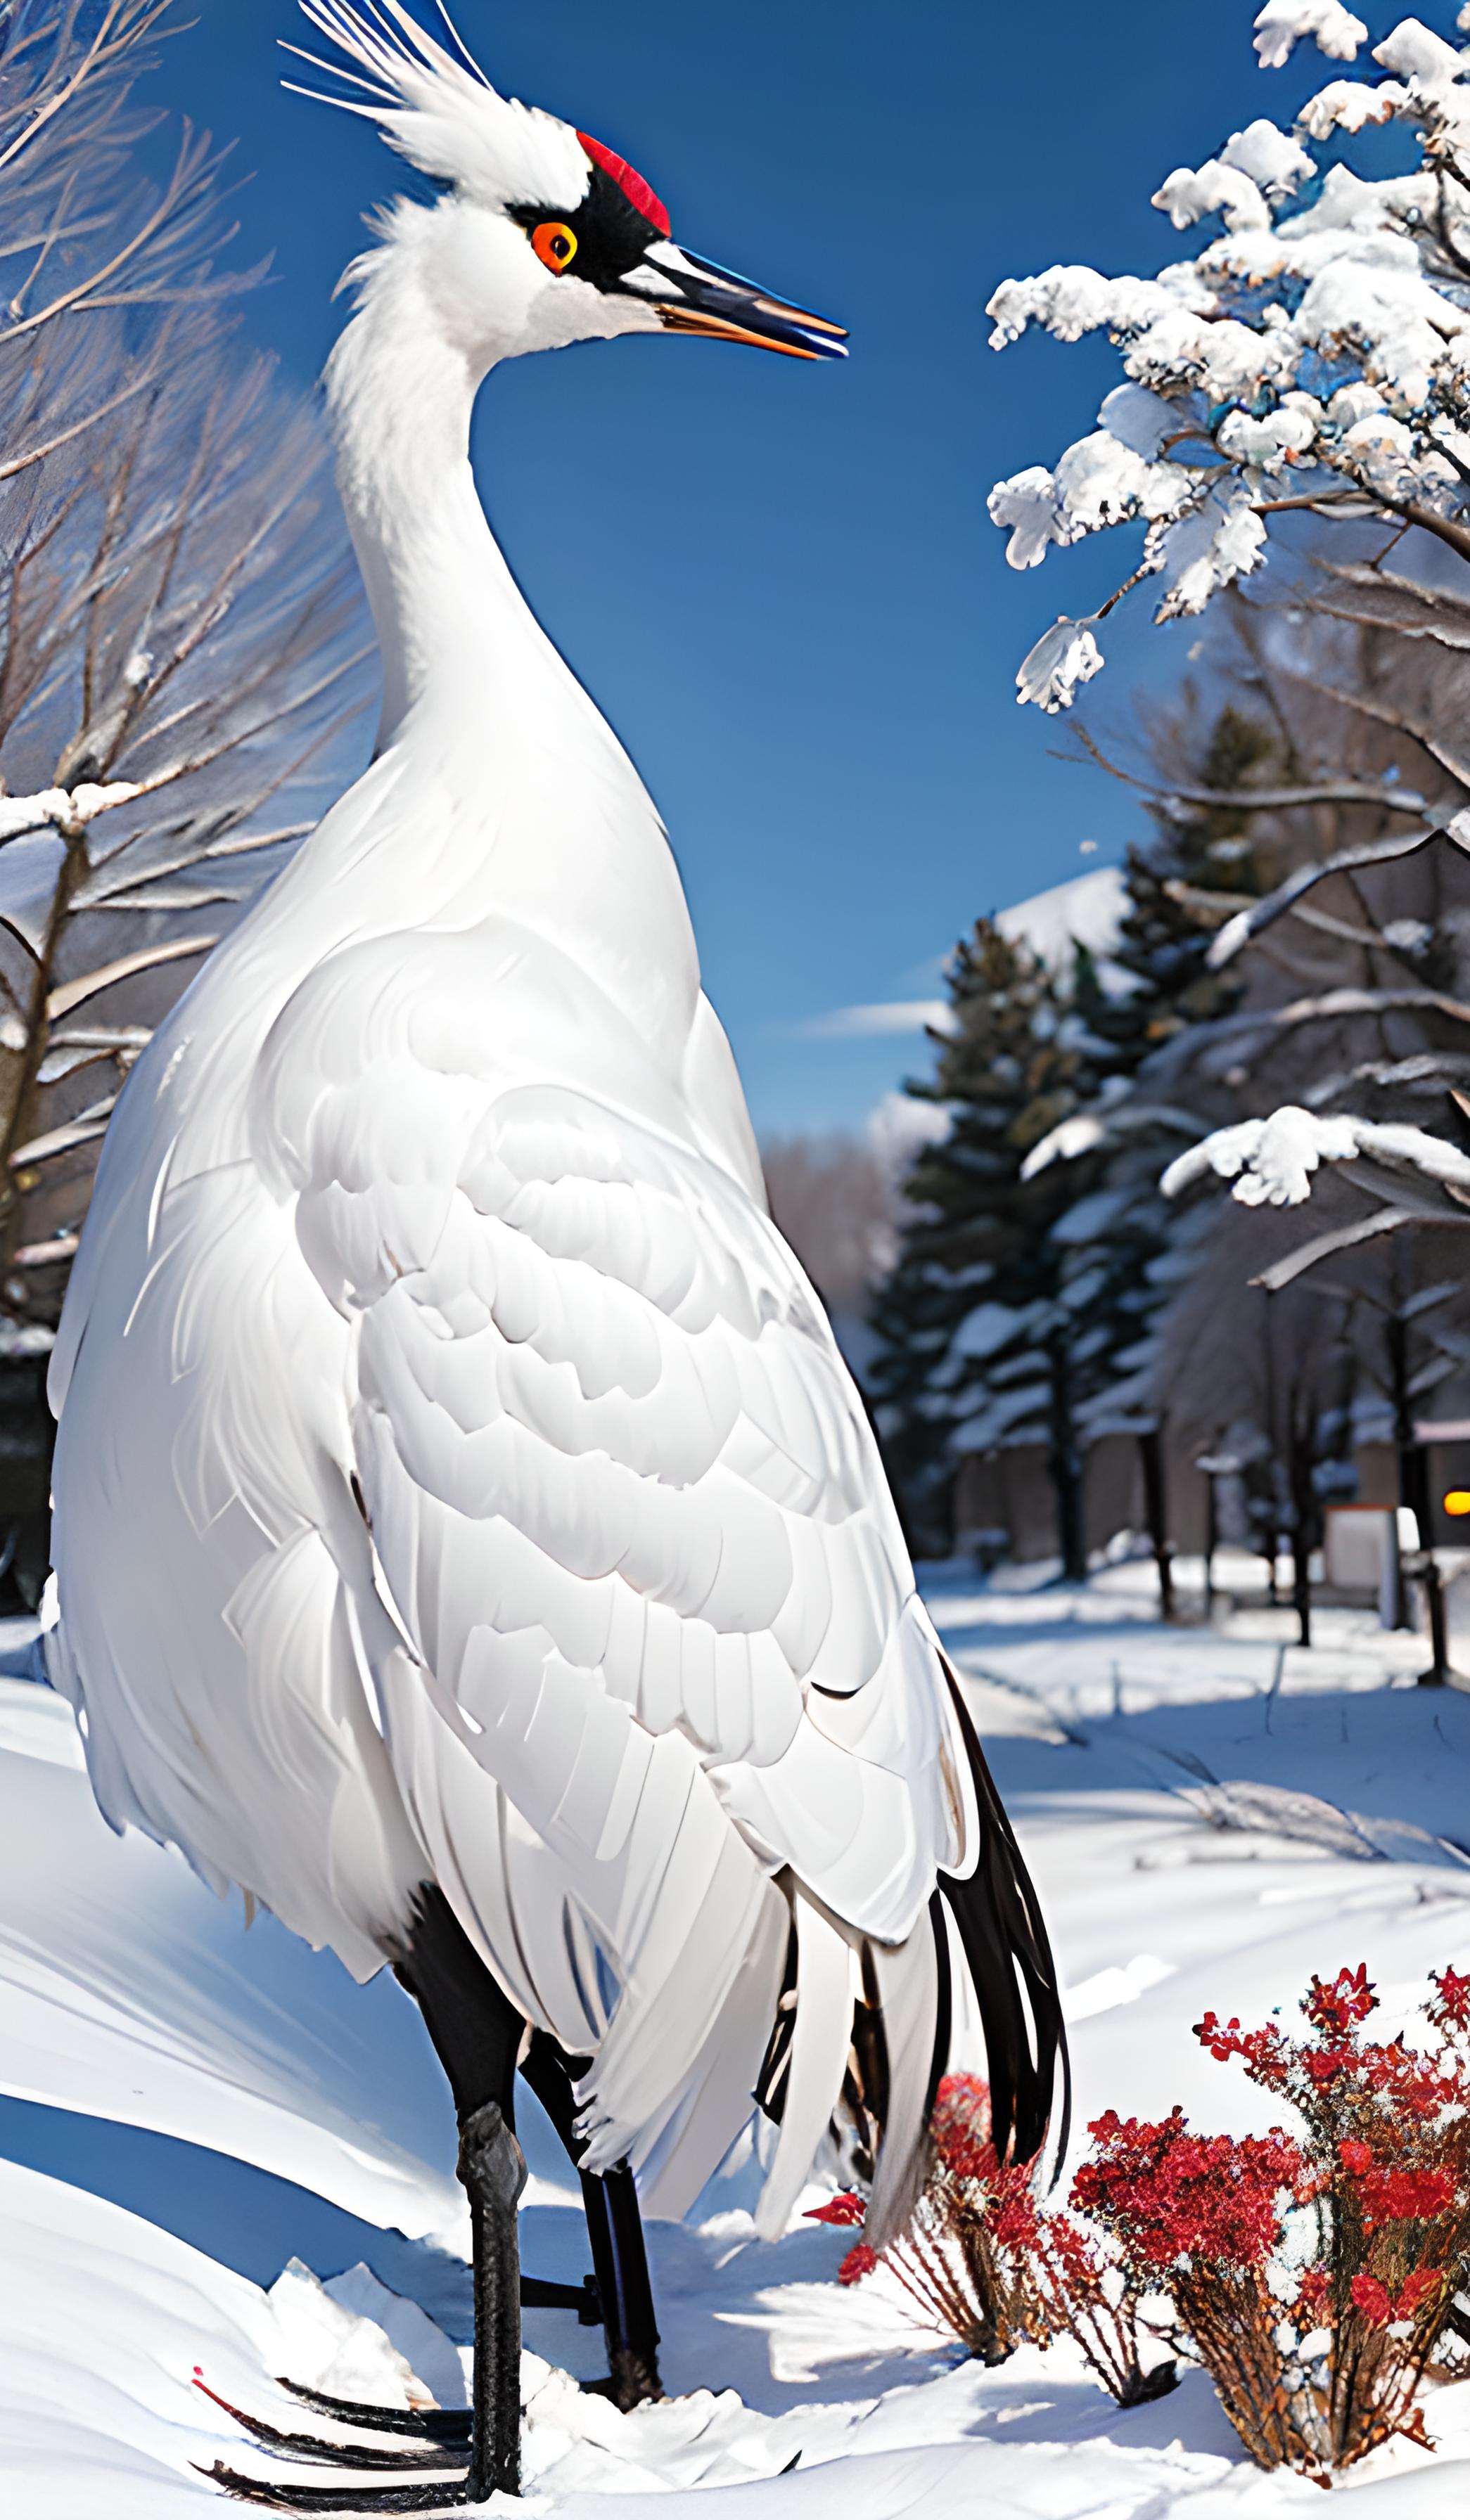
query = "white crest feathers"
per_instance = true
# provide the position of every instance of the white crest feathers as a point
(441, 113)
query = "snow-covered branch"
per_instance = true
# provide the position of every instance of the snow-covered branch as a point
(1271, 1162)
(180, 637)
(62, 809)
(1283, 23)
(1246, 923)
(1105, 1125)
(1309, 356)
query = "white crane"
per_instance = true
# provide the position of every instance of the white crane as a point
(469, 1541)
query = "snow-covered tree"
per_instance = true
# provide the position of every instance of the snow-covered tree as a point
(993, 1330)
(1268, 1383)
(1313, 356)
(182, 645)
(1201, 853)
(1284, 934)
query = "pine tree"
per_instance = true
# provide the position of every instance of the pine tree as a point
(1128, 1249)
(1202, 864)
(1024, 1305)
(974, 1341)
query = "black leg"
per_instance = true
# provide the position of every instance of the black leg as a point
(477, 2032)
(615, 2229)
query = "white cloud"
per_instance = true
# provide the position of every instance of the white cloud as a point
(870, 1024)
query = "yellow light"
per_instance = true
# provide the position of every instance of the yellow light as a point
(1458, 1500)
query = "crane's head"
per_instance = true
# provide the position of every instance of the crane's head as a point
(542, 236)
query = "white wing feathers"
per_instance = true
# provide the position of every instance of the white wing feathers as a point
(630, 1630)
(628, 1520)
(208, 1571)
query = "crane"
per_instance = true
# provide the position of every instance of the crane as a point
(469, 1541)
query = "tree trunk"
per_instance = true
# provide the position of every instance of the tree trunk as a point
(1438, 1674)
(1064, 1461)
(1304, 1503)
(1156, 1512)
(1411, 1465)
(1300, 1583)
(1414, 1490)
(18, 1084)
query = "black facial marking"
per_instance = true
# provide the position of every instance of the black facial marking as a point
(612, 237)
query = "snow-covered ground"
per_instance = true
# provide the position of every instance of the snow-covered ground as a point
(1212, 1816)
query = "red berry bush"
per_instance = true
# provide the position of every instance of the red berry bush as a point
(1312, 2274)
(984, 2262)
(1376, 2235)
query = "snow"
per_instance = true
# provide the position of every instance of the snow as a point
(1285, 23)
(1099, 481)
(1073, 1137)
(1138, 418)
(1223, 540)
(1064, 656)
(1071, 299)
(1272, 160)
(63, 808)
(1351, 105)
(1413, 51)
(1211, 1814)
(1192, 193)
(1087, 910)
(1233, 345)
(1271, 1161)
(1276, 437)
(127, 1991)
(1026, 508)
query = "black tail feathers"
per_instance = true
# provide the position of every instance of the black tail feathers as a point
(998, 1918)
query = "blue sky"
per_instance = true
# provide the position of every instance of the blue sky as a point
(780, 582)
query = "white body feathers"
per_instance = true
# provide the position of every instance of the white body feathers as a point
(457, 1478)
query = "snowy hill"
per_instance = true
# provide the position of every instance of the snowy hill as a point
(1085, 911)
(1212, 1816)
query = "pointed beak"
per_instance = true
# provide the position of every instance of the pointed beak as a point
(692, 295)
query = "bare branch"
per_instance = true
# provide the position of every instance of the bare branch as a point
(1249, 924)
(46, 1255)
(181, 649)
(148, 957)
(1346, 1238)
(73, 1133)
(1250, 799)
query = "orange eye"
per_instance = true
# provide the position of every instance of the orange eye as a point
(555, 244)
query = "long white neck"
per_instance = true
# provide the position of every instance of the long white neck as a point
(451, 622)
(542, 816)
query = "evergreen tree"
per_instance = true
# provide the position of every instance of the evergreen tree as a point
(1129, 1250)
(1024, 1302)
(975, 1343)
(1202, 862)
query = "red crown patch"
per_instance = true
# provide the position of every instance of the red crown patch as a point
(628, 182)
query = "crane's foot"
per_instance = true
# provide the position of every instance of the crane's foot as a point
(447, 2424)
(454, 2459)
(436, 2461)
(442, 2433)
(632, 2380)
(452, 2496)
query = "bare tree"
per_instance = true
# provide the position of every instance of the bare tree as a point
(1269, 1380)
(183, 653)
(838, 1207)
